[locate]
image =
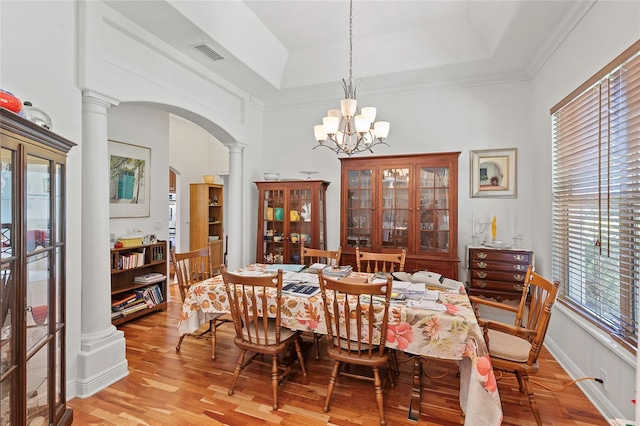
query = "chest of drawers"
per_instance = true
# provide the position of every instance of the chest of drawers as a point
(497, 273)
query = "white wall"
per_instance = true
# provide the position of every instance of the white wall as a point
(606, 31)
(193, 153)
(45, 74)
(455, 119)
(149, 128)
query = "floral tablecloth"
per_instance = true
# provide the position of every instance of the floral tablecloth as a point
(453, 334)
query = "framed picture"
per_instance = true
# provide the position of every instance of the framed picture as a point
(493, 173)
(129, 172)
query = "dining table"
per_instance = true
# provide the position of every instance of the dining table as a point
(447, 329)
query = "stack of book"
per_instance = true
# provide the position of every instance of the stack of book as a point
(337, 271)
(151, 278)
(136, 300)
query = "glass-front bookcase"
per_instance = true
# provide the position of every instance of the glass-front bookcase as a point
(32, 292)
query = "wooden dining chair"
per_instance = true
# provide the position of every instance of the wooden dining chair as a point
(362, 339)
(255, 331)
(380, 262)
(191, 267)
(514, 348)
(309, 256)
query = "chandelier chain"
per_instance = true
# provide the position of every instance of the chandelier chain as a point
(350, 43)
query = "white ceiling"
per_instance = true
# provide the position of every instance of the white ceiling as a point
(286, 51)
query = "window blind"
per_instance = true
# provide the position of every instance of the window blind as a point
(596, 197)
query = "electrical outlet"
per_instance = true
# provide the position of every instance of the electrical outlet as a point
(603, 376)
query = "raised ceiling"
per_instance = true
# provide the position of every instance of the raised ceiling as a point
(284, 52)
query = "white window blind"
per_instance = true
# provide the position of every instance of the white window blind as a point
(596, 197)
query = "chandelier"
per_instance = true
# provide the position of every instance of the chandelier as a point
(347, 130)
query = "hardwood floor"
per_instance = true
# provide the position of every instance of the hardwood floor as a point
(165, 387)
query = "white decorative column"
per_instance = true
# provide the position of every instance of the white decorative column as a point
(102, 359)
(236, 236)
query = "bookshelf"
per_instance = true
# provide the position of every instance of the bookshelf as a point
(131, 295)
(207, 222)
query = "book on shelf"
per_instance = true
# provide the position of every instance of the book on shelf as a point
(337, 271)
(122, 299)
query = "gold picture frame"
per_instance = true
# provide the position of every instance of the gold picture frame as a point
(493, 173)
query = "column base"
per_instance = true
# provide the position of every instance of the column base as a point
(101, 362)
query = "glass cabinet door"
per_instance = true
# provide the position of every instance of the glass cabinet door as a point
(395, 208)
(273, 226)
(8, 311)
(434, 209)
(359, 204)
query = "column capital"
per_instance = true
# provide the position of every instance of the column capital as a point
(235, 147)
(89, 96)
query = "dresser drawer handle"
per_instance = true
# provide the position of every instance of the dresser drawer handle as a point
(520, 267)
(518, 257)
(517, 287)
(482, 255)
(482, 274)
(482, 284)
(482, 265)
(518, 277)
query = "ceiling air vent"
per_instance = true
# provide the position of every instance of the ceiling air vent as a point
(207, 51)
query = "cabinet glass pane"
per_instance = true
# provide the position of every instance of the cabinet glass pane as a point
(395, 208)
(7, 316)
(37, 385)
(7, 200)
(37, 298)
(38, 207)
(434, 209)
(299, 230)
(359, 203)
(273, 202)
(58, 287)
(58, 204)
(6, 401)
(57, 398)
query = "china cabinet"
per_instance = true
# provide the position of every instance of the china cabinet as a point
(410, 202)
(206, 227)
(32, 297)
(290, 213)
(498, 273)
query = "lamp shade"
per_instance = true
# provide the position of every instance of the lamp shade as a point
(330, 125)
(381, 129)
(348, 107)
(362, 123)
(319, 132)
(370, 113)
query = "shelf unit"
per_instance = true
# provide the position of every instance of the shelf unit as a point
(123, 275)
(290, 213)
(32, 286)
(402, 202)
(206, 208)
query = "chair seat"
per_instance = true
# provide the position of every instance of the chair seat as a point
(509, 347)
(352, 358)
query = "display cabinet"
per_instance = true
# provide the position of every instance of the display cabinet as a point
(206, 227)
(410, 202)
(498, 273)
(32, 292)
(290, 213)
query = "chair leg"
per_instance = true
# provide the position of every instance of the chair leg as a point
(393, 356)
(298, 345)
(390, 373)
(236, 372)
(212, 326)
(316, 341)
(532, 399)
(378, 385)
(180, 342)
(275, 379)
(520, 381)
(332, 385)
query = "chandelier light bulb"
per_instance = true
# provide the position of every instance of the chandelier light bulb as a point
(348, 107)
(370, 113)
(330, 125)
(319, 132)
(362, 123)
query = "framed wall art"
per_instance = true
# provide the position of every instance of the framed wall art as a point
(493, 173)
(129, 172)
